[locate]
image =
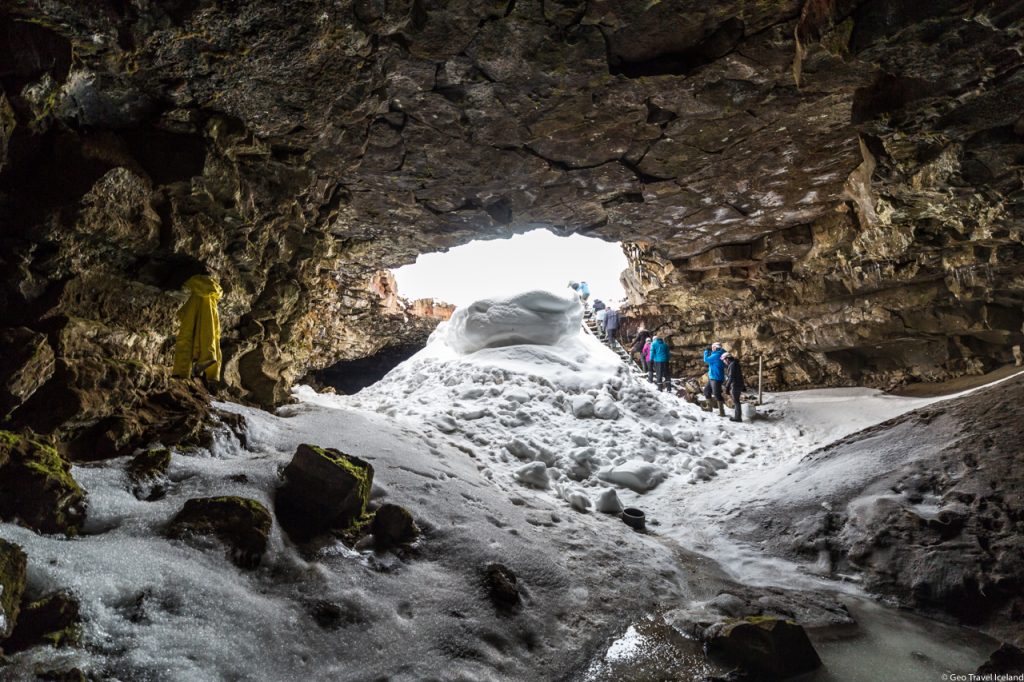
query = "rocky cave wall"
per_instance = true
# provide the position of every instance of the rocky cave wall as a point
(834, 183)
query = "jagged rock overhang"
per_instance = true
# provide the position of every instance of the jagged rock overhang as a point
(773, 168)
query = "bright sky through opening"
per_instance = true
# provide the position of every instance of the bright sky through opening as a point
(502, 267)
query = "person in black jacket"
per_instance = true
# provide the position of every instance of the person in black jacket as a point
(734, 385)
(637, 349)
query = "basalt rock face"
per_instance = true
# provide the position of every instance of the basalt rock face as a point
(836, 176)
(884, 242)
(936, 523)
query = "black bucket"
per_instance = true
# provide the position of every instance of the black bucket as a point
(634, 518)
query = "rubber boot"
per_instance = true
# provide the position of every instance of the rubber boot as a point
(721, 408)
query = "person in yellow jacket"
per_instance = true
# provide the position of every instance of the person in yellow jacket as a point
(197, 350)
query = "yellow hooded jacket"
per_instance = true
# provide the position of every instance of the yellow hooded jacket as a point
(199, 336)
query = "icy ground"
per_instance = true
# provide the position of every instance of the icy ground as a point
(559, 413)
(502, 437)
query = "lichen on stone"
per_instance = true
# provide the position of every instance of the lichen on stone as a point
(325, 490)
(363, 475)
(52, 620)
(36, 486)
(241, 524)
(150, 463)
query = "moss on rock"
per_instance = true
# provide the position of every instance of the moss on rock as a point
(13, 564)
(243, 525)
(324, 490)
(52, 620)
(36, 486)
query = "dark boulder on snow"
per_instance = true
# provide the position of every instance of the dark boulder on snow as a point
(502, 586)
(773, 648)
(393, 525)
(241, 524)
(52, 620)
(13, 564)
(147, 473)
(36, 486)
(1005, 660)
(324, 489)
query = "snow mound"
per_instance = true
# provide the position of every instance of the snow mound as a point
(534, 317)
(540, 405)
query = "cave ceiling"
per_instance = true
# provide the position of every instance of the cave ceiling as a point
(297, 146)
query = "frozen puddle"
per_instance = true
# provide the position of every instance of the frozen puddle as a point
(897, 646)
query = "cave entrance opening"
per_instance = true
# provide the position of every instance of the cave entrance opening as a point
(537, 259)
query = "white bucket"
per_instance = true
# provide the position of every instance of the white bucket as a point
(749, 411)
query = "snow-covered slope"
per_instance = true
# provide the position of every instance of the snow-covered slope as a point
(502, 437)
(156, 609)
(515, 383)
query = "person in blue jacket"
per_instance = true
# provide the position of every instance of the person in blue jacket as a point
(584, 291)
(716, 374)
(660, 356)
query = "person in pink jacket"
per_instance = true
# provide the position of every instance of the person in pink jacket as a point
(647, 360)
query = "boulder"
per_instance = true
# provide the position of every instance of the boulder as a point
(147, 473)
(36, 486)
(393, 525)
(243, 525)
(772, 647)
(501, 585)
(52, 620)
(105, 401)
(13, 564)
(324, 489)
(1006, 660)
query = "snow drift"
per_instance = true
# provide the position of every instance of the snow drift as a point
(515, 383)
(534, 317)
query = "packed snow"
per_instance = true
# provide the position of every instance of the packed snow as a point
(511, 437)
(516, 384)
